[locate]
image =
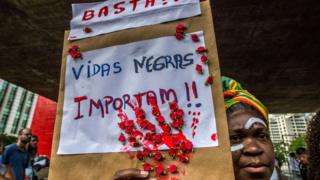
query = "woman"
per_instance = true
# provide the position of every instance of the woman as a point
(252, 150)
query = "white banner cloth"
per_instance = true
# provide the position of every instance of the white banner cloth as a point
(109, 16)
(107, 79)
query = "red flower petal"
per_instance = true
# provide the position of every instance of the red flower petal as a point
(180, 31)
(160, 170)
(189, 146)
(87, 30)
(155, 111)
(140, 156)
(146, 151)
(148, 136)
(199, 69)
(173, 168)
(147, 167)
(181, 27)
(173, 106)
(74, 52)
(121, 125)
(153, 101)
(179, 113)
(151, 127)
(166, 128)
(122, 138)
(139, 113)
(179, 36)
(214, 136)
(161, 119)
(158, 156)
(172, 152)
(204, 59)
(183, 158)
(129, 123)
(157, 138)
(201, 50)
(195, 38)
(209, 81)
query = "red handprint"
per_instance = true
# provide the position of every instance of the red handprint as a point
(177, 143)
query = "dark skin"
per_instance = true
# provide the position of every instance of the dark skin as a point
(131, 174)
(256, 159)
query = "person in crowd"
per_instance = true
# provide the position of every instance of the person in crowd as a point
(16, 157)
(3, 169)
(276, 174)
(252, 150)
(32, 149)
(294, 165)
(36, 162)
(303, 162)
(313, 139)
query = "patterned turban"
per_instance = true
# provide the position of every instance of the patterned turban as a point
(234, 94)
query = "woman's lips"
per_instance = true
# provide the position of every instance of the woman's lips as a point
(255, 168)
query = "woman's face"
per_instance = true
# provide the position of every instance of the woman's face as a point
(255, 160)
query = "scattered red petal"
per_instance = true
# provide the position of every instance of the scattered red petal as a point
(87, 30)
(204, 59)
(199, 69)
(160, 170)
(140, 156)
(181, 27)
(173, 168)
(201, 50)
(122, 138)
(147, 167)
(209, 81)
(214, 136)
(195, 38)
(179, 36)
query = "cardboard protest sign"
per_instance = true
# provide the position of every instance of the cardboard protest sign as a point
(136, 63)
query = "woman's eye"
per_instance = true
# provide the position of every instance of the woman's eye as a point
(263, 136)
(235, 139)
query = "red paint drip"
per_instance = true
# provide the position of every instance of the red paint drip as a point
(194, 89)
(187, 91)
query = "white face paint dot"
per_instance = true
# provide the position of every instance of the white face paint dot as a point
(251, 121)
(237, 147)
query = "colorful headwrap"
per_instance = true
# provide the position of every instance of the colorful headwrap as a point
(234, 94)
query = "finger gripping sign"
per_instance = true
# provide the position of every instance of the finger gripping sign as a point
(123, 77)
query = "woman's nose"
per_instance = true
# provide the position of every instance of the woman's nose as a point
(252, 147)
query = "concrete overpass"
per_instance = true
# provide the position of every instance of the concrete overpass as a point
(272, 47)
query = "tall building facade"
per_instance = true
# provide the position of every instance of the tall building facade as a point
(284, 128)
(17, 106)
(20, 108)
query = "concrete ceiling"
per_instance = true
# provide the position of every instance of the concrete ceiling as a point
(271, 47)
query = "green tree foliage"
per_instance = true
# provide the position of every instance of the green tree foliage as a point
(280, 153)
(298, 142)
(6, 139)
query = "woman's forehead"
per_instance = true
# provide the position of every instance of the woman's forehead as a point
(245, 120)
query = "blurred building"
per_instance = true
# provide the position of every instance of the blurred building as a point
(17, 106)
(284, 128)
(20, 108)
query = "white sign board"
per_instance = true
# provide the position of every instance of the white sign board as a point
(91, 19)
(108, 80)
